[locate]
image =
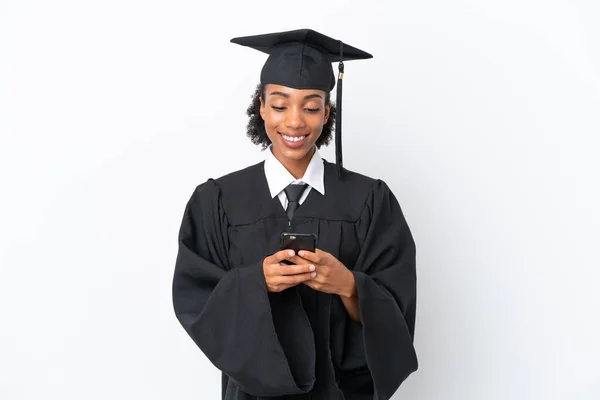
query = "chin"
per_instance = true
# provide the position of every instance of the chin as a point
(294, 154)
(305, 148)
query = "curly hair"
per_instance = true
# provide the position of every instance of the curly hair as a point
(255, 129)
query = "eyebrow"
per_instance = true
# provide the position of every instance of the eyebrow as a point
(286, 95)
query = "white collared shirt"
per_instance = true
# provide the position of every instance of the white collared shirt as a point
(279, 178)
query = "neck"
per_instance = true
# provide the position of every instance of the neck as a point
(296, 167)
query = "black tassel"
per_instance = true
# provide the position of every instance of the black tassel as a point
(338, 115)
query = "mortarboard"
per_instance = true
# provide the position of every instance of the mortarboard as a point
(301, 59)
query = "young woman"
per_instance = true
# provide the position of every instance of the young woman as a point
(338, 323)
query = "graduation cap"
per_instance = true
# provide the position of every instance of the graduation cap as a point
(301, 59)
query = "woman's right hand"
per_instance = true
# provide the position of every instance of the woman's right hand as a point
(280, 276)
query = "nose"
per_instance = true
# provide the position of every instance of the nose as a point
(294, 118)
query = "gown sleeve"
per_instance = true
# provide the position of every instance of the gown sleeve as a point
(386, 284)
(228, 312)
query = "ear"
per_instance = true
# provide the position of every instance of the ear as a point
(327, 113)
(262, 108)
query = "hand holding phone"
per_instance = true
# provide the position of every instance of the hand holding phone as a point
(278, 278)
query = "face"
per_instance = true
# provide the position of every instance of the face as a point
(294, 120)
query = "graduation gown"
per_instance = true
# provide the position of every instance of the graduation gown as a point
(299, 343)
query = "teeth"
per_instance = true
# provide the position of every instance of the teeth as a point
(293, 139)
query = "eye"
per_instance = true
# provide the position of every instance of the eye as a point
(313, 110)
(278, 109)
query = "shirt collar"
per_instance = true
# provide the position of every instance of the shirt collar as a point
(279, 178)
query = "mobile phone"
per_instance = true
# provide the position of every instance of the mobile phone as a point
(297, 242)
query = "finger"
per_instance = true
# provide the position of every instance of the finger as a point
(310, 256)
(294, 279)
(284, 270)
(312, 284)
(299, 260)
(280, 256)
(295, 269)
(316, 285)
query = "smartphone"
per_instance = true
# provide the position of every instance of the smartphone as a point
(297, 242)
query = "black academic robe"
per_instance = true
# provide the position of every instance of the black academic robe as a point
(300, 343)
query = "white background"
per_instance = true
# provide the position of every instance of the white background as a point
(483, 117)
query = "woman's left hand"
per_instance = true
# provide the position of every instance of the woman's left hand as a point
(332, 276)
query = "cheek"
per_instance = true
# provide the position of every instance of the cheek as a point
(272, 119)
(317, 122)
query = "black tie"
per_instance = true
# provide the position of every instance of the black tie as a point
(293, 193)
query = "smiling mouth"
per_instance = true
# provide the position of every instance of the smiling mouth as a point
(293, 139)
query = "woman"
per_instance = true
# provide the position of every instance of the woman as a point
(339, 322)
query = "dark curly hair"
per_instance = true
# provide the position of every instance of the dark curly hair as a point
(255, 129)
